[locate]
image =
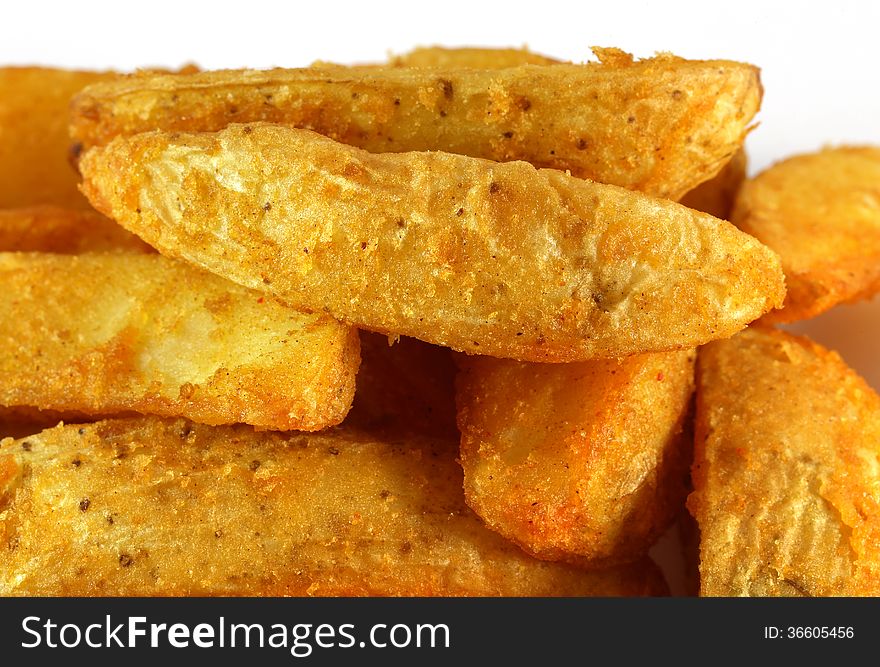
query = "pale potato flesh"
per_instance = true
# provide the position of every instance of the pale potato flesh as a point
(582, 462)
(107, 333)
(153, 507)
(662, 125)
(787, 470)
(492, 258)
(821, 213)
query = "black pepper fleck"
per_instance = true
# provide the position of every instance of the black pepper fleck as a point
(26, 446)
(125, 560)
(84, 504)
(254, 465)
(333, 450)
(446, 87)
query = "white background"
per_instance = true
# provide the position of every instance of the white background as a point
(821, 68)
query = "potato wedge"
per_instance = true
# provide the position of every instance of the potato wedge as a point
(463, 57)
(404, 385)
(662, 126)
(717, 196)
(787, 470)
(492, 258)
(153, 507)
(34, 143)
(583, 462)
(111, 333)
(64, 230)
(821, 213)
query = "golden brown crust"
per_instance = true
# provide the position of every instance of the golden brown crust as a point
(64, 230)
(821, 213)
(111, 333)
(404, 385)
(787, 470)
(491, 258)
(578, 462)
(717, 196)
(662, 126)
(152, 507)
(34, 143)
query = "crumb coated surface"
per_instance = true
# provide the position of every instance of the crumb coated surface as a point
(582, 462)
(106, 333)
(153, 507)
(492, 258)
(821, 213)
(662, 125)
(787, 470)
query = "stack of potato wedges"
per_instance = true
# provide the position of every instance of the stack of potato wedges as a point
(473, 322)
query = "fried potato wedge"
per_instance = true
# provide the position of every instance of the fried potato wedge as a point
(787, 470)
(404, 385)
(110, 333)
(492, 258)
(717, 196)
(153, 507)
(34, 142)
(821, 213)
(463, 57)
(578, 462)
(662, 126)
(64, 230)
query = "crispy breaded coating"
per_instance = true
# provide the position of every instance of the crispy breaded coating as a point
(787, 470)
(717, 196)
(63, 230)
(405, 385)
(662, 125)
(152, 507)
(492, 258)
(34, 143)
(580, 462)
(476, 58)
(108, 333)
(821, 213)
